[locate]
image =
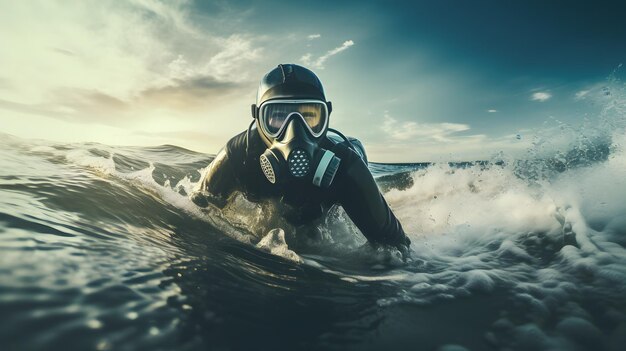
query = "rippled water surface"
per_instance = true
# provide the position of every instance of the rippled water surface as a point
(100, 248)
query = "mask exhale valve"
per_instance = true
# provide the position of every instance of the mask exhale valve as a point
(299, 163)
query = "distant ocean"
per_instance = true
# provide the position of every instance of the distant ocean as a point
(101, 249)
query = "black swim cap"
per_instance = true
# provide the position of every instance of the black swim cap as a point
(288, 81)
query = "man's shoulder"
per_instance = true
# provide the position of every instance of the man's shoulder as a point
(237, 144)
(349, 150)
(236, 147)
(244, 147)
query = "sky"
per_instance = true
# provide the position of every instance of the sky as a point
(413, 80)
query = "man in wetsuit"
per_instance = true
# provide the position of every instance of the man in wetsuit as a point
(287, 154)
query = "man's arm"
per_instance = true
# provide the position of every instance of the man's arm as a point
(218, 181)
(366, 206)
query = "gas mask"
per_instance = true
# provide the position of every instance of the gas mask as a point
(292, 130)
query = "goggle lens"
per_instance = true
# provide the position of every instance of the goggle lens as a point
(275, 115)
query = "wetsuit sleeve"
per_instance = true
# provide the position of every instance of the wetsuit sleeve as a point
(223, 175)
(219, 177)
(365, 205)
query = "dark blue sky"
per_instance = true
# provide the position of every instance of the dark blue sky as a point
(543, 38)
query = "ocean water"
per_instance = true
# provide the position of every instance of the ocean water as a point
(101, 249)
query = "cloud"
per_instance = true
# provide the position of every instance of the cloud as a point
(419, 142)
(403, 131)
(492, 111)
(320, 61)
(314, 36)
(306, 59)
(188, 93)
(29, 108)
(462, 148)
(93, 106)
(76, 105)
(4, 84)
(598, 92)
(235, 53)
(581, 94)
(540, 96)
(115, 49)
(63, 52)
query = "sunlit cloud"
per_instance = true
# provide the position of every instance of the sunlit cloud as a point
(401, 131)
(492, 111)
(541, 96)
(116, 48)
(103, 59)
(314, 36)
(320, 61)
(130, 66)
(307, 59)
(228, 64)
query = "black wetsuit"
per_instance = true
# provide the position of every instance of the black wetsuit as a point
(236, 167)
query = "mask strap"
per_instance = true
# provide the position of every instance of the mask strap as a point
(248, 140)
(344, 138)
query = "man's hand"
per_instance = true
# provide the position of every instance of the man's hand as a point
(405, 248)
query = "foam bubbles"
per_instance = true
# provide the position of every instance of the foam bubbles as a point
(478, 280)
